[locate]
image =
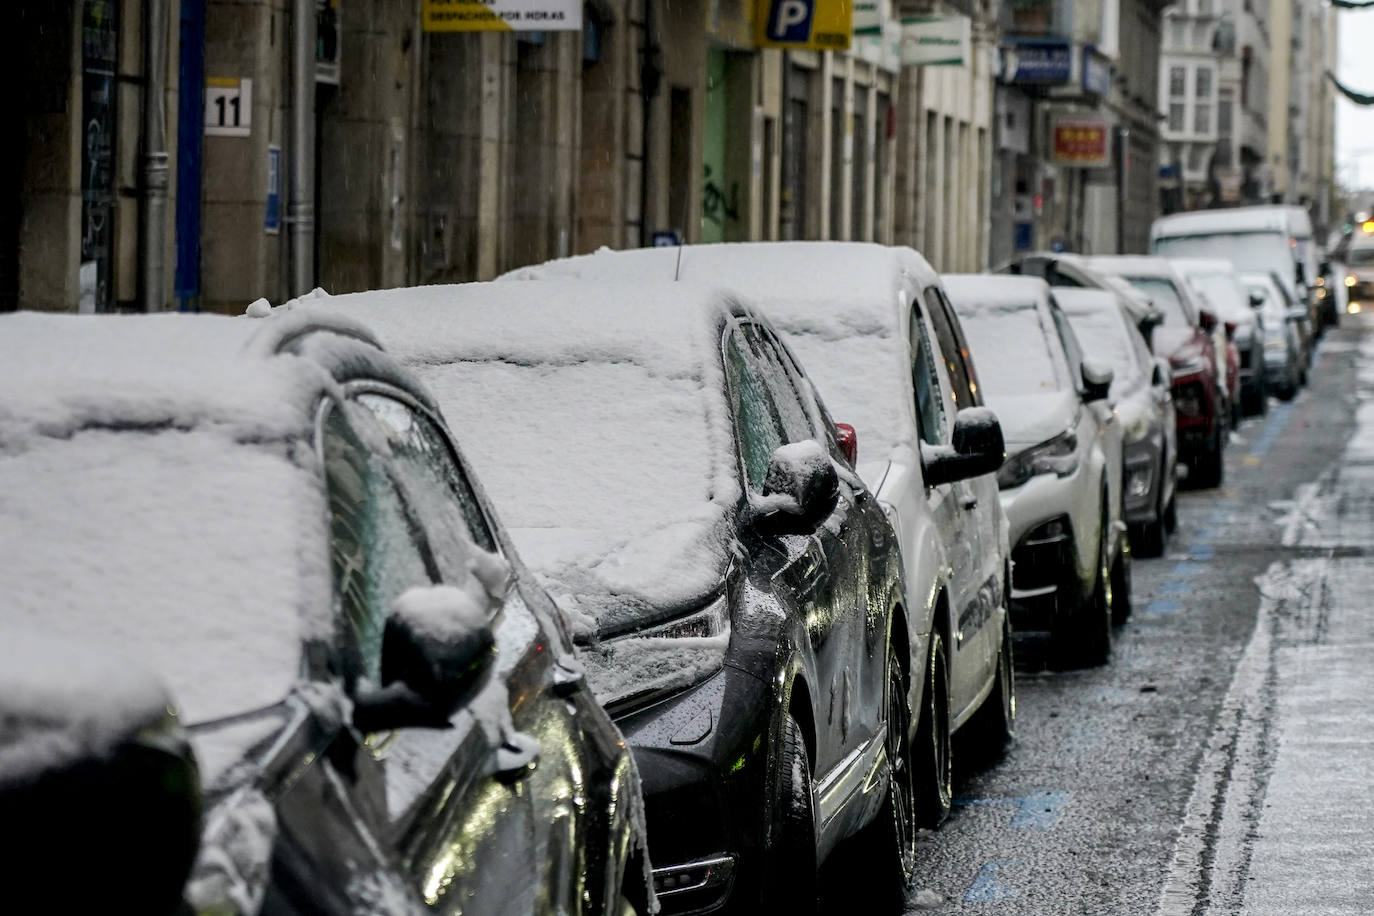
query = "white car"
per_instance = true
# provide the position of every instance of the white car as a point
(879, 339)
(1283, 344)
(1144, 407)
(1061, 483)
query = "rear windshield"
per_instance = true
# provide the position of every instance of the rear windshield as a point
(1165, 297)
(1103, 334)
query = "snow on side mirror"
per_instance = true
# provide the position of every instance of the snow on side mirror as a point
(1097, 379)
(1207, 320)
(1162, 376)
(976, 448)
(801, 485)
(437, 652)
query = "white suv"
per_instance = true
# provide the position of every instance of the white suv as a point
(881, 342)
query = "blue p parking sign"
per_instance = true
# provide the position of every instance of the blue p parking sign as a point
(789, 21)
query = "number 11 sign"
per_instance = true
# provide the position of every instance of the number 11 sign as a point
(228, 107)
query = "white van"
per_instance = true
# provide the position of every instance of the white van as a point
(1254, 239)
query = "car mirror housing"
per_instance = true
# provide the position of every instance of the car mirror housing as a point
(801, 485)
(1097, 379)
(1297, 313)
(848, 439)
(1207, 320)
(976, 448)
(437, 652)
(1256, 301)
(1162, 376)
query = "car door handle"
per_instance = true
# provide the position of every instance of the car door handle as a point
(517, 757)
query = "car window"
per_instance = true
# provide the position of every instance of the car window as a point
(962, 354)
(758, 430)
(376, 548)
(925, 383)
(782, 389)
(1166, 298)
(431, 474)
(950, 351)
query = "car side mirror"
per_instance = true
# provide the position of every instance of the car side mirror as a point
(1230, 327)
(1297, 313)
(1097, 379)
(1162, 376)
(976, 448)
(1256, 301)
(801, 486)
(848, 439)
(437, 652)
(1207, 320)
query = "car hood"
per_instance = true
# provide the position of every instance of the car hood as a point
(608, 582)
(1169, 338)
(1031, 418)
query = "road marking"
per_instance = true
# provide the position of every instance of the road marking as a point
(1163, 607)
(1038, 811)
(986, 888)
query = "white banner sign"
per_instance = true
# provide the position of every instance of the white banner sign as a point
(501, 15)
(937, 41)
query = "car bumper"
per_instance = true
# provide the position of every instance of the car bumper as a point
(702, 759)
(1045, 555)
(1143, 478)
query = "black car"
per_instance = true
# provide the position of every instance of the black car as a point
(665, 465)
(377, 709)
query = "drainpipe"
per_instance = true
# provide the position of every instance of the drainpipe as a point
(650, 79)
(301, 209)
(153, 260)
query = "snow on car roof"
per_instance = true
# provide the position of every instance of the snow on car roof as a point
(1076, 301)
(155, 498)
(595, 416)
(1192, 266)
(1228, 220)
(835, 302)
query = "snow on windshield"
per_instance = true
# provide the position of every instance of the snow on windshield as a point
(186, 553)
(1013, 350)
(1103, 334)
(1223, 294)
(1165, 297)
(1248, 251)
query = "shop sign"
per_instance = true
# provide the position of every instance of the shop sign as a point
(822, 25)
(502, 15)
(1081, 141)
(937, 41)
(1037, 61)
(1097, 73)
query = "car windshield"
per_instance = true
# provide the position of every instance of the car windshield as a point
(597, 445)
(1103, 334)
(194, 557)
(1248, 251)
(1165, 297)
(1360, 257)
(1013, 349)
(1223, 294)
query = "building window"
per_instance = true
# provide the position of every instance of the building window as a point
(1204, 83)
(1225, 107)
(1177, 82)
(1202, 119)
(1176, 117)
(1204, 7)
(1197, 159)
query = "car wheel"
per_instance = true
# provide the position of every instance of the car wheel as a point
(1210, 466)
(1085, 639)
(994, 725)
(934, 773)
(1152, 538)
(790, 881)
(886, 849)
(1171, 513)
(1121, 585)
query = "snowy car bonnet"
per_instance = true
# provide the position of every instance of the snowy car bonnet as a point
(595, 415)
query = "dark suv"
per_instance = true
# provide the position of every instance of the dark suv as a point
(379, 706)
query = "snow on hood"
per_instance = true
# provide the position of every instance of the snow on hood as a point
(595, 416)
(1032, 418)
(836, 304)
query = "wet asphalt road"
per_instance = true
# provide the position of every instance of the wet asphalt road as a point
(1083, 813)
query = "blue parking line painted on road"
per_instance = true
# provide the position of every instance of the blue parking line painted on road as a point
(986, 888)
(1040, 810)
(1186, 569)
(1200, 552)
(1163, 607)
(1272, 429)
(1173, 586)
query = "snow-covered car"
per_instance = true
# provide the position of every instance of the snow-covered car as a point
(1144, 405)
(1218, 284)
(267, 524)
(1061, 482)
(1188, 339)
(667, 469)
(882, 345)
(1067, 270)
(1284, 367)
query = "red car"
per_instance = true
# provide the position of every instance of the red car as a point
(1185, 338)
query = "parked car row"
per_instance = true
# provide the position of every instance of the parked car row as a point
(755, 526)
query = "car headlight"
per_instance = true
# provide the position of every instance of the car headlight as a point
(711, 620)
(1350, 280)
(1275, 343)
(1190, 366)
(1053, 456)
(1139, 477)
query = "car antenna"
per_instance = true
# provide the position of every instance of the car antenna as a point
(677, 269)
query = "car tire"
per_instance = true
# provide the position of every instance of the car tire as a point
(993, 726)
(1152, 538)
(1209, 468)
(790, 880)
(885, 850)
(934, 752)
(1171, 513)
(1121, 585)
(1085, 639)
